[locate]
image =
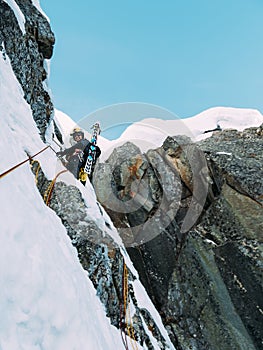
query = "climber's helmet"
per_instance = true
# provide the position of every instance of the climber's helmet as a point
(77, 134)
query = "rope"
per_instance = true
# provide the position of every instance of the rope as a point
(124, 340)
(37, 170)
(128, 319)
(127, 315)
(130, 330)
(47, 194)
(49, 191)
(21, 163)
(125, 295)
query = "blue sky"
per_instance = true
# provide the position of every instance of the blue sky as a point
(184, 56)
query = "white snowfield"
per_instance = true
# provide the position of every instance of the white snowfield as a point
(150, 133)
(197, 127)
(46, 298)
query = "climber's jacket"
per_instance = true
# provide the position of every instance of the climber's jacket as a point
(77, 155)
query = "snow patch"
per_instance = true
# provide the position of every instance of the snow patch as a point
(143, 300)
(226, 153)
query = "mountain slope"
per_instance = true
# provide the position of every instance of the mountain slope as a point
(67, 279)
(151, 132)
(47, 300)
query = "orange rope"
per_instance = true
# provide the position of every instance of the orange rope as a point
(49, 191)
(24, 161)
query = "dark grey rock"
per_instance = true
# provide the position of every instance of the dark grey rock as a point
(27, 53)
(201, 279)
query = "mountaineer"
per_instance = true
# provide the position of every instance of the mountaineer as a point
(79, 154)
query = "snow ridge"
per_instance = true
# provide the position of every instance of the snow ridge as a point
(150, 133)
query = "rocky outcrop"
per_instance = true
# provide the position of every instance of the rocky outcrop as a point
(191, 217)
(27, 52)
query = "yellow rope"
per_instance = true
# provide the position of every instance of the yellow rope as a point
(125, 286)
(130, 330)
(128, 320)
(37, 171)
(48, 191)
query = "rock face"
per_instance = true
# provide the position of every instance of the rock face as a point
(27, 52)
(191, 217)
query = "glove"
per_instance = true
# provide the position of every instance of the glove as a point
(59, 154)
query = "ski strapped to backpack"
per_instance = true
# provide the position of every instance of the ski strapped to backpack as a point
(86, 171)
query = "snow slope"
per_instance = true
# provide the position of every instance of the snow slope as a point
(151, 132)
(46, 299)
